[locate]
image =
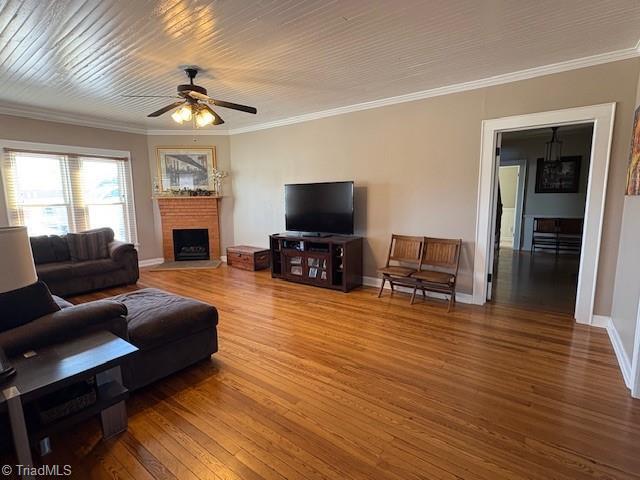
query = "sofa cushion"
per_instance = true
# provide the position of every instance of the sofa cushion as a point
(60, 248)
(106, 231)
(90, 245)
(93, 267)
(23, 305)
(48, 272)
(49, 248)
(156, 318)
(42, 249)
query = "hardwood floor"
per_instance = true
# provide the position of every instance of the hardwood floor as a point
(312, 384)
(542, 280)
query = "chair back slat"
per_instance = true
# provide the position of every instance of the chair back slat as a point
(570, 226)
(405, 248)
(441, 252)
(545, 225)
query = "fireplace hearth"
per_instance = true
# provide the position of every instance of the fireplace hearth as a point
(191, 244)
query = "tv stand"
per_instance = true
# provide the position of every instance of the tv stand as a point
(332, 261)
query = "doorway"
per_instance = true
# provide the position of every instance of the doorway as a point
(512, 177)
(601, 117)
(541, 271)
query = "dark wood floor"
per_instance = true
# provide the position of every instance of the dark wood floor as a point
(541, 280)
(313, 384)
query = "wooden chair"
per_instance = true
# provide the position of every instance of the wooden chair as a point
(405, 253)
(441, 257)
(559, 234)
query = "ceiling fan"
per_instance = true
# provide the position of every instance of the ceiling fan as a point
(194, 104)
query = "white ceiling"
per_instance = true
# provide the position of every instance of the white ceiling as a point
(285, 57)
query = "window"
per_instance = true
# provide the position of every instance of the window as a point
(57, 193)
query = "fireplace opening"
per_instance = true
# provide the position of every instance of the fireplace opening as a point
(191, 244)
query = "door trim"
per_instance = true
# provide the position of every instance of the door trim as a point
(602, 118)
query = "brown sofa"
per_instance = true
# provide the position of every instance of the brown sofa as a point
(172, 332)
(65, 276)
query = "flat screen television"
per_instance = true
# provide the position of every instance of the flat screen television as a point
(319, 207)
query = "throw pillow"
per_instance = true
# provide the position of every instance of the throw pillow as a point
(98, 244)
(77, 247)
(60, 248)
(88, 246)
(42, 249)
(25, 304)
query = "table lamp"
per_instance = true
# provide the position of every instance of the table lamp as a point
(17, 270)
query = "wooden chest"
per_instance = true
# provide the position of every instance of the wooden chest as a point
(248, 258)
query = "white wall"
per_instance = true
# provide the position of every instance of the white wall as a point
(570, 205)
(626, 293)
(416, 164)
(508, 177)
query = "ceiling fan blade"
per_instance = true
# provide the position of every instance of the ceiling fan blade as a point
(198, 96)
(218, 119)
(233, 106)
(149, 96)
(157, 113)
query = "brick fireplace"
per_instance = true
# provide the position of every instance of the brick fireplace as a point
(185, 213)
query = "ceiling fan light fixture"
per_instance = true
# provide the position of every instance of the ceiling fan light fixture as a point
(192, 105)
(177, 117)
(204, 118)
(185, 113)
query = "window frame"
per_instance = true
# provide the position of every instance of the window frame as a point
(76, 151)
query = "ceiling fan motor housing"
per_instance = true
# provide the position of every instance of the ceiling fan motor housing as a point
(186, 88)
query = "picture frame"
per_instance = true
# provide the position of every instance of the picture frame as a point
(185, 168)
(633, 172)
(561, 176)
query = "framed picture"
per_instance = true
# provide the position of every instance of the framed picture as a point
(558, 176)
(633, 175)
(185, 167)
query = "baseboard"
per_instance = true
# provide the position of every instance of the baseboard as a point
(223, 258)
(600, 321)
(376, 282)
(149, 262)
(623, 360)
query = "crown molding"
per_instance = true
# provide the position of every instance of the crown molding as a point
(529, 73)
(50, 115)
(85, 121)
(69, 118)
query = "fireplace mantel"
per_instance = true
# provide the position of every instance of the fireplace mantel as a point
(189, 212)
(183, 197)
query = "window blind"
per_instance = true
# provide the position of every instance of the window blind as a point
(53, 193)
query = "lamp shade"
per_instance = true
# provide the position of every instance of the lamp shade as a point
(16, 260)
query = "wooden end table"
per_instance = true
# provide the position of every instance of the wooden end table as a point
(54, 367)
